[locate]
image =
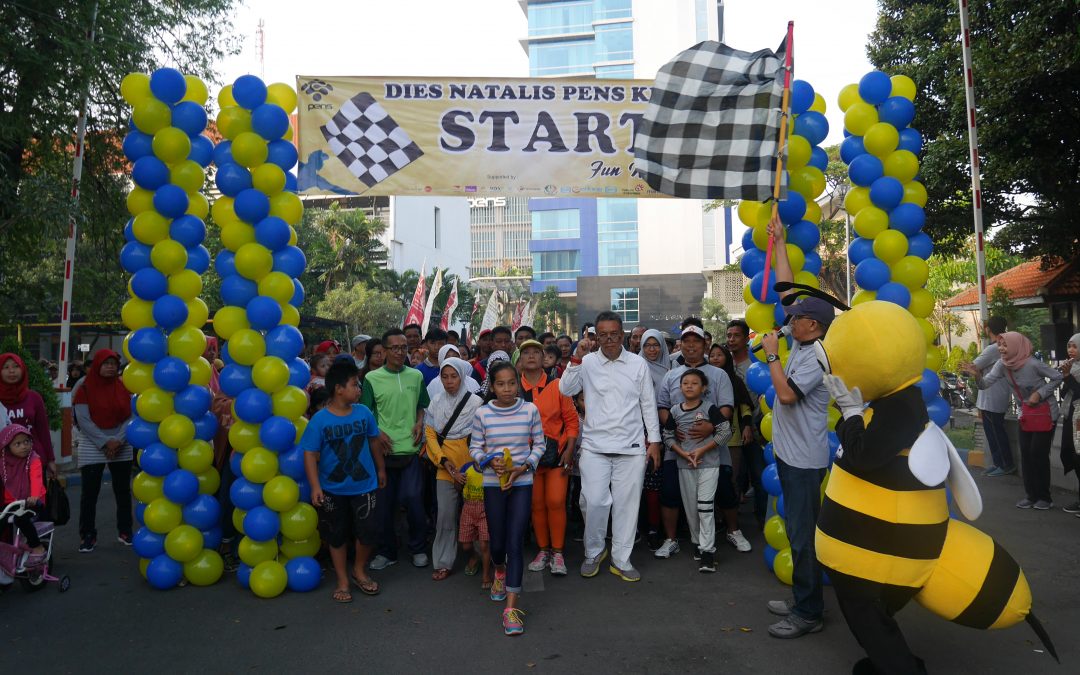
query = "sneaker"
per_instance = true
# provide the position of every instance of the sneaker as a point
(737, 540)
(1043, 505)
(629, 574)
(990, 468)
(498, 587)
(1072, 508)
(540, 561)
(793, 626)
(669, 548)
(993, 473)
(781, 607)
(590, 566)
(381, 562)
(708, 562)
(513, 621)
(654, 540)
(1008, 471)
(1025, 503)
(697, 554)
(124, 538)
(87, 544)
(558, 564)
(230, 562)
(420, 560)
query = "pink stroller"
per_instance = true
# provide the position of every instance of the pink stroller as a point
(15, 559)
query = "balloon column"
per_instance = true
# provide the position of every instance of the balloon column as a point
(261, 294)
(886, 204)
(171, 425)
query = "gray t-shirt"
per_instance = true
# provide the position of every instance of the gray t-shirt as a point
(719, 392)
(800, 429)
(994, 398)
(683, 420)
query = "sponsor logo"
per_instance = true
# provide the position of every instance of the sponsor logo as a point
(316, 89)
(576, 190)
(427, 188)
(550, 189)
(565, 190)
(639, 188)
(470, 188)
(494, 188)
(483, 203)
(611, 189)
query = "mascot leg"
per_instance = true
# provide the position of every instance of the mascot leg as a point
(868, 608)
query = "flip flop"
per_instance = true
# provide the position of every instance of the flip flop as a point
(367, 587)
(342, 597)
(472, 568)
(440, 574)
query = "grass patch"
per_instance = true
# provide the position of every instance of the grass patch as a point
(962, 438)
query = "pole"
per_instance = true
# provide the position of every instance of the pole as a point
(973, 144)
(788, 58)
(847, 248)
(69, 257)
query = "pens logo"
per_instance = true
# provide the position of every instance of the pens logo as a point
(316, 89)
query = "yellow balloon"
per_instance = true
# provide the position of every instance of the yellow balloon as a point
(188, 175)
(295, 549)
(205, 568)
(259, 465)
(253, 261)
(196, 457)
(798, 152)
(154, 404)
(810, 182)
(270, 374)
(176, 431)
(138, 377)
(748, 212)
(760, 317)
(902, 165)
(766, 426)
(848, 96)
(223, 211)
(776, 533)
(268, 579)
(921, 306)
(748, 294)
(238, 520)
(124, 347)
(183, 543)
(247, 346)
(171, 145)
(225, 97)
(288, 207)
(763, 404)
(151, 116)
(933, 358)
(914, 193)
(196, 90)
(150, 227)
(911, 271)
(890, 246)
(278, 286)
(135, 88)
(139, 200)
(137, 314)
(282, 95)
(290, 316)
(161, 515)
(197, 205)
(143, 564)
(249, 149)
(783, 566)
(236, 235)
(807, 279)
(268, 179)
(289, 135)
(857, 199)
(198, 313)
(147, 488)
(187, 343)
(209, 481)
(168, 256)
(299, 522)
(200, 371)
(859, 117)
(904, 86)
(881, 139)
(761, 237)
(253, 552)
(291, 402)
(834, 417)
(281, 493)
(819, 104)
(243, 436)
(813, 211)
(929, 332)
(871, 221)
(796, 258)
(862, 296)
(293, 237)
(233, 121)
(228, 320)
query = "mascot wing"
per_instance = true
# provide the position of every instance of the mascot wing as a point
(933, 459)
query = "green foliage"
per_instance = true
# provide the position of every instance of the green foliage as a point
(550, 311)
(1027, 80)
(714, 316)
(1020, 319)
(368, 310)
(38, 380)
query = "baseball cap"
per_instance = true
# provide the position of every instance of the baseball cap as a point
(530, 343)
(692, 330)
(359, 340)
(815, 308)
(486, 331)
(590, 329)
(325, 346)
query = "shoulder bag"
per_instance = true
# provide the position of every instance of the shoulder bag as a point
(1033, 418)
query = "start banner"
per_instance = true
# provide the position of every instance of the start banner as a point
(470, 136)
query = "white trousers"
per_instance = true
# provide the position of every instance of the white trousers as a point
(611, 484)
(698, 490)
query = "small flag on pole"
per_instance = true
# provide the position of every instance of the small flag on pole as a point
(436, 286)
(416, 308)
(451, 307)
(491, 312)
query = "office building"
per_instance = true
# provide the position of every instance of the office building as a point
(499, 232)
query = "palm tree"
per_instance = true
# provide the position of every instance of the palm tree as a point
(357, 255)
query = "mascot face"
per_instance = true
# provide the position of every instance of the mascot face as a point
(878, 347)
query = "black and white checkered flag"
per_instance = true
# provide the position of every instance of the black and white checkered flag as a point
(368, 141)
(710, 131)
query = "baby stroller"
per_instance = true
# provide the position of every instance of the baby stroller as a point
(14, 553)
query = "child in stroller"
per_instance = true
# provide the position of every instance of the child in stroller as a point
(21, 472)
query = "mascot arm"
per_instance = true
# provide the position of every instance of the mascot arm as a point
(933, 460)
(870, 447)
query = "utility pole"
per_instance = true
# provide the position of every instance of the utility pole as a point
(260, 46)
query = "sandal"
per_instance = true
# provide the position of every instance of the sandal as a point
(440, 574)
(366, 586)
(472, 568)
(486, 585)
(342, 596)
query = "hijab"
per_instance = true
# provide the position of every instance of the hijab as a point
(108, 399)
(435, 387)
(1075, 370)
(16, 477)
(658, 368)
(443, 404)
(1019, 348)
(11, 394)
(493, 358)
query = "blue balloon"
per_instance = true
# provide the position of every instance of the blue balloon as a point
(180, 486)
(802, 96)
(232, 179)
(792, 209)
(930, 385)
(805, 235)
(138, 145)
(150, 173)
(758, 377)
(282, 153)
(748, 239)
(171, 201)
(148, 345)
(770, 557)
(770, 480)
(304, 573)
(149, 284)
(812, 126)
(148, 544)
(939, 411)
(164, 573)
(850, 148)
(193, 402)
(225, 264)
(270, 121)
(261, 523)
(757, 284)
(273, 233)
(284, 342)
(140, 510)
(896, 293)
(299, 373)
(896, 110)
(202, 512)
(872, 274)
(129, 230)
(238, 291)
(770, 396)
(779, 315)
(305, 490)
(886, 192)
(223, 353)
(291, 463)
(168, 84)
(158, 460)
(819, 159)
(299, 294)
(234, 465)
(752, 261)
(234, 379)
(263, 312)
(767, 453)
(170, 312)
(910, 140)
(212, 538)
(834, 446)
(198, 259)
(921, 245)
(172, 374)
(223, 153)
(908, 218)
(189, 117)
(188, 230)
(812, 263)
(140, 433)
(780, 509)
(290, 182)
(277, 434)
(202, 150)
(249, 91)
(254, 406)
(251, 205)
(865, 169)
(206, 427)
(875, 87)
(243, 575)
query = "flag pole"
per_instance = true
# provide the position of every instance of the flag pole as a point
(788, 59)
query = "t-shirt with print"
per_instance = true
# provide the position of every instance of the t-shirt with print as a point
(800, 429)
(346, 466)
(719, 391)
(683, 420)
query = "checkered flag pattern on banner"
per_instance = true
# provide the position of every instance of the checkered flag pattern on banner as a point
(710, 130)
(368, 141)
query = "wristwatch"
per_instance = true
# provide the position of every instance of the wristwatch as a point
(771, 357)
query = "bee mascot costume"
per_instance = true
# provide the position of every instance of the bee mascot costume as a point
(884, 534)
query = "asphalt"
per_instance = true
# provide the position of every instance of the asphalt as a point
(674, 620)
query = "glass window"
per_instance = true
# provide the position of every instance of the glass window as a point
(624, 302)
(561, 58)
(701, 20)
(617, 236)
(557, 18)
(614, 42)
(623, 72)
(556, 224)
(613, 9)
(556, 265)
(483, 245)
(516, 244)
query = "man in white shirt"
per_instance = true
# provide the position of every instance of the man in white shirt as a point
(618, 398)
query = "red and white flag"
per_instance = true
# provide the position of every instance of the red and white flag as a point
(436, 286)
(451, 307)
(518, 314)
(416, 308)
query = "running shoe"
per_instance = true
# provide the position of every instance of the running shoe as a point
(498, 587)
(540, 561)
(558, 564)
(669, 548)
(513, 621)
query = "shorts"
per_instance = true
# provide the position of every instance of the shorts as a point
(473, 523)
(342, 515)
(670, 497)
(726, 498)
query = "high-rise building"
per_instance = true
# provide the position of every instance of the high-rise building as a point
(499, 232)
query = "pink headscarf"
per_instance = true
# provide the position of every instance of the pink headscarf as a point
(1019, 348)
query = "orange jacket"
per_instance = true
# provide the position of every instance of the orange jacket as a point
(557, 413)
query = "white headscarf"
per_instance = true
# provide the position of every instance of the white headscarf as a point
(658, 368)
(443, 404)
(435, 387)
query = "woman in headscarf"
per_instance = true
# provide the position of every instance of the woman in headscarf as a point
(26, 407)
(1027, 378)
(654, 350)
(103, 406)
(436, 386)
(1070, 415)
(448, 448)
(485, 388)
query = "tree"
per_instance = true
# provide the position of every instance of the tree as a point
(351, 251)
(714, 316)
(950, 275)
(550, 311)
(1019, 319)
(1027, 77)
(365, 310)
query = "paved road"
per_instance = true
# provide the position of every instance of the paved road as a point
(675, 620)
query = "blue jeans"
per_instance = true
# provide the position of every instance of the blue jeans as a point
(997, 440)
(802, 502)
(404, 486)
(508, 513)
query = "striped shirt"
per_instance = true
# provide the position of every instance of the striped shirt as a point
(517, 428)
